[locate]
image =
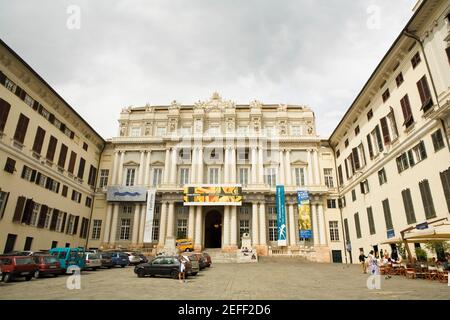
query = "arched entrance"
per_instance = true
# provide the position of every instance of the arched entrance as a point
(213, 229)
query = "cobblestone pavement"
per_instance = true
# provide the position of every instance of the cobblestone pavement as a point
(271, 278)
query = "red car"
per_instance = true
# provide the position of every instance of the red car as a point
(207, 257)
(47, 265)
(17, 267)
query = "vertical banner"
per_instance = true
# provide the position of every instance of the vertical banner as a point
(304, 215)
(281, 215)
(148, 229)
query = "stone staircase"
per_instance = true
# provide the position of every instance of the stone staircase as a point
(217, 256)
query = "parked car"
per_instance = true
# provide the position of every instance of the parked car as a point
(184, 245)
(69, 257)
(93, 261)
(192, 258)
(133, 257)
(107, 261)
(17, 267)
(201, 260)
(47, 265)
(207, 258)
(143, 258)
(120, 259)
(161, 266)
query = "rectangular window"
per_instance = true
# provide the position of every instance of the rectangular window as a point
(243, 176)
(48, 217)
(85, 146)
(399, 79)
(299, 177)
(73, 157)
(156, 177)
(10, 165)
(244, 227)
(356, 162)
(76, 196)
(184, 176)
(371, 221)
(213, 175)
(4, 112)
(135, 132)
(331, 203)
(369, 114)
(214, 155)
(182, 228)
(385, 131)
(386, 95)
(273, 230)
(338, 153)
(34, 215)
(88, 202)
(271, 177)
(131, 173)
(445, 179)
(104, 174)
(62, 156)
(346, 143)
(21, 129)
(64, 191)
(362, 155)
(155, 235)
(353, 195)
(59, 218)
(125, 227)
(382, 179)
(415, 60)
(243, 155)
(406, 110)
(160, 131)
(357, 225)
(51, 148)
(92, 175)
(340, 175)
(184, 154)
(96, 229)
(427, 199)
(402, 162)
(369, 145)
(419, 152)
(393, 131)
(387, 214)
(81, 166)
(438, 140)
(296, 131)
(28, 242)
(347, 233)
(3, 201)
(328, 175)
(364, 185)
(409, 207)
(425, 94)
(39, 140)
(334, 230)
(357, 130)
(11, 86)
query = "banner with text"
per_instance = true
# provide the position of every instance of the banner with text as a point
(148, 227)
(281, 215)
(304, 215)
(212, 195)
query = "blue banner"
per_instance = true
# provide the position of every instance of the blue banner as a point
(281, 215)
(304, 215)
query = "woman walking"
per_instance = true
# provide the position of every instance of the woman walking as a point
(182, 272)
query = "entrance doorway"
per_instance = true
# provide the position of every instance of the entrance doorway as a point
(213, 230)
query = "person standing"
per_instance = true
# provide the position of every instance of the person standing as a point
(362, 260)
(373, 264)
(182, 271)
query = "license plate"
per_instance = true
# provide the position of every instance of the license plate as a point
(24, 273)
(52, 267)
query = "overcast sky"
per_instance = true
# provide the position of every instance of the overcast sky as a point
(129, 53)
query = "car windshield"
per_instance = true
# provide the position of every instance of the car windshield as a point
(23, 261)
(122, 255)
(50, 260)
(93, 256)
(106, 255)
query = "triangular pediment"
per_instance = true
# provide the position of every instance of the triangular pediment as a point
(299, 163)
(130, 163)
(157, 163)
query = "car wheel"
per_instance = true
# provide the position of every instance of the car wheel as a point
(37, 274)
(141, 273)
(28, 278)
(188, 250)
(122, 266)
(94, 269)
(174, 274)
(7, 277)
(194, 274)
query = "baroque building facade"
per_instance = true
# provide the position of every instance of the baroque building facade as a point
(217, 142)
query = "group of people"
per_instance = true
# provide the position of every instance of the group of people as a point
(374, 261)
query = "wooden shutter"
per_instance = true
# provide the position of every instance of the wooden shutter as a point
(81, 166)
(369, 145)
(21, 129)
(19, 209)
(385, 130)
(73, 157)
(63, 224)
(42, 216)
(29, 206)
(54, 219)
(51, 148)
(10, 165)
(445, 179)
(75, 225)
(356, 158)
(4, 112)
(387, 214)
(379, 141)
(38, 140)
(2, 78)
(62, 156)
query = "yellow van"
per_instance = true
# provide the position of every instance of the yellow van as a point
(185, 245)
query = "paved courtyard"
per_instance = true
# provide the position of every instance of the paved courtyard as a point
(271, 278)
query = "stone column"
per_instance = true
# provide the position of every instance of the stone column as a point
(233, 233)
(322, 228)
(114, 170)
(226, 226)
(162, 225)
(288, 170)
(120, 173)
(200, 166)
(147, 169)
(167, 167)
(315, 226)
(191, 223)
(316, 168)
(255, 227)
(261, 166)
(140, 174)
(262, 224)
(292, 225)
(254, 166)
(194, 165)
(115, 219)
(233, 165)
(198, 229)
(310, 172)
(226, 165)
(142, 223)
(281, 172)
(173, 167)
(107, 226)
(134, 233)
(171, 220)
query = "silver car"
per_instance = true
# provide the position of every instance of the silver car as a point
(133, 257)
(192, 258)
(93, 261)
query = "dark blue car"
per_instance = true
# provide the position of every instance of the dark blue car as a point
(119, 259)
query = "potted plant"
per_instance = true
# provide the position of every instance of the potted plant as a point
(421, 255)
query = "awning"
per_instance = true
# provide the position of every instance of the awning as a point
(440, 232)
(392, 241)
